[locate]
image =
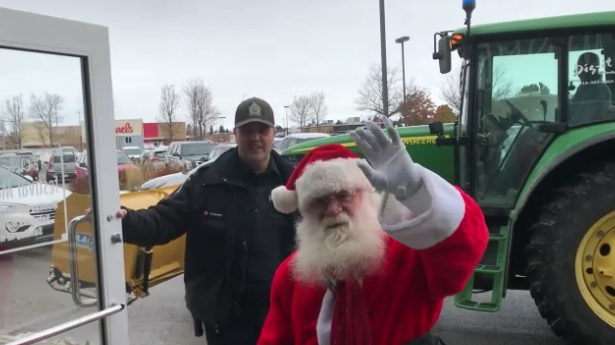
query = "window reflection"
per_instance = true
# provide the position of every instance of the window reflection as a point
(592, 78)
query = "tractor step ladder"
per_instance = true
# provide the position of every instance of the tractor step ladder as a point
(499, 240)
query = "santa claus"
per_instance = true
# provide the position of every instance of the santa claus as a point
(379, 247)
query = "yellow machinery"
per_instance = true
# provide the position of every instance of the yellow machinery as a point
(74, 262)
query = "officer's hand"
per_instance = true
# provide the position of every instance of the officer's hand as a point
(120, 214)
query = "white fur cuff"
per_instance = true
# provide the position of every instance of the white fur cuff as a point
(428, 217)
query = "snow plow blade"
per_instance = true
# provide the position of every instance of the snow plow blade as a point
(144, 267)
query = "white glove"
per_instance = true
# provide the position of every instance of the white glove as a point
(392, 170)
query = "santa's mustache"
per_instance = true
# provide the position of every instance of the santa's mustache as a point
(341, 220)
(336, 229)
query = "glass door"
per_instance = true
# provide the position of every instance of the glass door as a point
(55, 104)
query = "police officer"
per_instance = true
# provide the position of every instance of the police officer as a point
(235, 237)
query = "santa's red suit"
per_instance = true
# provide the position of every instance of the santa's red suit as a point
(428, 256)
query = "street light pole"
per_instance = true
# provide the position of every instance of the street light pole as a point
(401, 41)
(286, 106)
(383, 61)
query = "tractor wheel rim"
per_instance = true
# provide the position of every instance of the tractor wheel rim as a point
(595, 268)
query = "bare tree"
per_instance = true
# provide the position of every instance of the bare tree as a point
(318, 107)
(300, 110)
(451, 90)
(169, 102)
(201, 110)
(45, 110)
(14, 113)
(371, 97)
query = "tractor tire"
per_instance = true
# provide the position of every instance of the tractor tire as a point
(553, 258)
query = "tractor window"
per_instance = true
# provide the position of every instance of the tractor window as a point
(517, 91)
(592, 78)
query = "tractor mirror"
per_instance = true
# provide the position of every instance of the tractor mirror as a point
(444, 54)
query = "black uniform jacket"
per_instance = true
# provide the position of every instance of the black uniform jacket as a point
(216, 209)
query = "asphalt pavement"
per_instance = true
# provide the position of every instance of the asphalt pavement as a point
(28, 304)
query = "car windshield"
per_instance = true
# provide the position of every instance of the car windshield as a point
(159, 154)
(132, 151)
(197, 149)
(122, 158)
(9, 161)
(68, 158)
(10, 180)
(276, 143)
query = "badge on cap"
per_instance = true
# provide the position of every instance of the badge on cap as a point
(254, 110)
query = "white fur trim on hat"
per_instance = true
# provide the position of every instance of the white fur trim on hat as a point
(325, 177)
(284, 200)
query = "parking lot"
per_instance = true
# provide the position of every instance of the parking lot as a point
(30, 305)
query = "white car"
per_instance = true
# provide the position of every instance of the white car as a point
(276, 144)
(294, 139)
(133, 152)
(27, 209)
(179, 178)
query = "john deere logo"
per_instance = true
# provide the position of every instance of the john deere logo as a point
(255, 109)
(85, 241)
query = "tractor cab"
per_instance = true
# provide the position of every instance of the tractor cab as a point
(537, 112)
(522, 85)
(518, 93)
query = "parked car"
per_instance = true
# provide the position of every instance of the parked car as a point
(189, 154)
(167, 180)
(218, 151)
(154, 158)
(294, 139)
(68, 149)
(133, 152)
(61, 166)
(28, 209)
(276, 144)
(123, 163)
(32, 156)
(179, 178)
(14, 163)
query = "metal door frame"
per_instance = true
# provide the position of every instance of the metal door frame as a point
(39, 33)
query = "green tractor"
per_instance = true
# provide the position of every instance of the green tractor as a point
(535, 146)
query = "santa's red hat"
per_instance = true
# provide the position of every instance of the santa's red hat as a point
(324, 170)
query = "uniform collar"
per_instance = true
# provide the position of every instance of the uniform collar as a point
(246, 171)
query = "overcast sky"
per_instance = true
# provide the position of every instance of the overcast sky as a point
(273, 49)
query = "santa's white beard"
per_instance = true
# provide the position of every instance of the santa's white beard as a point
(354, 249)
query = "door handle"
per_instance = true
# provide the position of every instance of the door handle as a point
(74, 269)
(67, 326)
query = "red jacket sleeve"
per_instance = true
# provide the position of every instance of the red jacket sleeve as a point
(277, 329)
(449, 264)
(445, 227)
